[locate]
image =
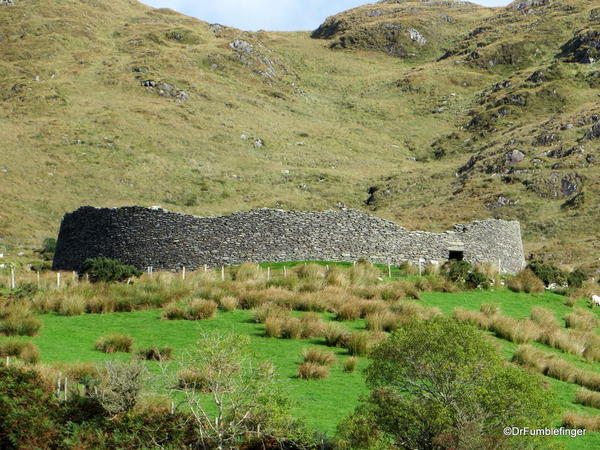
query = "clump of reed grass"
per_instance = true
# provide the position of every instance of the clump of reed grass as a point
(115, 342)
(99, 304)
(197, 379)
(517, 331)
(312, 325)
(476, 318)
(312, 371)
(358, 344)
(574, 420)
(348, 311)
(582, 319)
(490, 309)
(23, 350)
(526, 281)
(17, 319)
(228, 303)
(72, 305)
(382, 321)
(155, 353)
(364, 273)
(261, 313)
(196, 309)
(335, 335)
(588, 398)
(247, 272)
(350, 364)
(544, 318)
(318, 356)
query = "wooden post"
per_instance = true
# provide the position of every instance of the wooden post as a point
(38, 279)
(183, 273)
(284, 272)
(499, 266)
(75, 276)
(268, 273)
(57, 280)
(327, 267)
(222, 273)
(206, 267)
(353, 263)
(389, 270)
(58, 386)
(7, 361)
(66, 386)
(13, 281)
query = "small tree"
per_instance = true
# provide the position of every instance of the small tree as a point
(457, 271)
(108, 270)
(439, 383)
(244, 404)
(119, 390)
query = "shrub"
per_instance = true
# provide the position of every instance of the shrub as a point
(548, 273)
(108, 270)
(199, 309)
(526, 281)
(358, 344)
(335, 335)
(228, 303)
(114, 343)
(318, 356)
(574, 420)
(23, 350)
(544, 318)
(582, 320)
(477, 280)
(350, 364)
(490, 309)
(456, 271)
(155, 353)
(588, 398)
(72, 305)
(120, 387)
(576, 278)
(312, 371)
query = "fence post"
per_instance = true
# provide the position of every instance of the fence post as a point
(389, 270)
(268, 273)
(66, 386)
(38, 279)
(284, 272)
(183, 273)
(13, 281)
(222, 273)
(57, 280)
(206, 267)
(75, 277)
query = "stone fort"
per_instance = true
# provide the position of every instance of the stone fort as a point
(165, 240)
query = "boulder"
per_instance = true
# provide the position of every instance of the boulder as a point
(514, 157)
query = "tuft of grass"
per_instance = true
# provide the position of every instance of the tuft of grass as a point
(72, 305)
(575, 420)
(312, 325)
(490, 309)
(582, 319)
(273, 327)
(23, 350)
(589, 398)
(114, 343)
(382, 321)
(476, 318)
(526, 281)
(350, 364)
(318, 356)
(155, 353)
(20, 326)
(358, 344)
(517, 331)
(335, 335)
(291, 328)
(348, 311)
(197, 379)
(99, 304)
(228, 303)
(544, 318)
(312, 371)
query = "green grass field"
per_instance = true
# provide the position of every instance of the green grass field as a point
(322, 403)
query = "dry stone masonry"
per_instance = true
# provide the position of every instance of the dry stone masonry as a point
(169, 241)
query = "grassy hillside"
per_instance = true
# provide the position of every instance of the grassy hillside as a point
(115, 103)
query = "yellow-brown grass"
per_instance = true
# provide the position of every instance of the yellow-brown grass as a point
(312, 371)
(544, 318)
(575, 420)
(588, 398)
(382, 321)
(25, 351)
(350, 364)
(517, 331)
(582, 319)
(318, 356)
(526, 281)
(476, 318)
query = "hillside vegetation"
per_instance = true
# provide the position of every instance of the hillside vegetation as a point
(426, 113)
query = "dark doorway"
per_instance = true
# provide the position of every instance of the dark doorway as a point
(456, 255)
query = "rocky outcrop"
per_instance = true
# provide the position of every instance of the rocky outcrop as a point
(164, 240)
